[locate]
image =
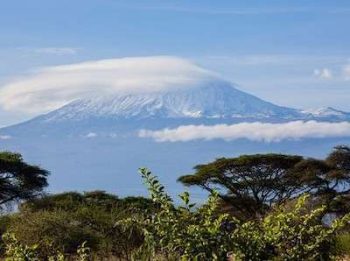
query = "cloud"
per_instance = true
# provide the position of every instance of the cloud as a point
(49, 88)
(57, 50)
(5, 137)
(323, 73)
(255, 131)
(90, 135)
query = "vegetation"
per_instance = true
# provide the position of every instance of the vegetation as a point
(251, 185)
(63, 222)
(278, 210)
(187, 233)
(19, 180)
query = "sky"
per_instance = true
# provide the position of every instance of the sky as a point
(292, 53)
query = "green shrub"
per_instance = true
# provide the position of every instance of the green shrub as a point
(64, 221)
(189, 233)
(16, 251)
(52, 231)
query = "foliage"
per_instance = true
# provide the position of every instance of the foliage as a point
(328, 180)
(70, 201)
(64, 221)
(19, 180)
(83, 252)
(189, 233)
(16, 251)
(253, 184)
(174, 232)
(53, 231)
(291, 234)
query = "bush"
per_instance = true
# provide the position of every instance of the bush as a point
(53, 231)
(189, 233)
(64, 221)
(16, 251)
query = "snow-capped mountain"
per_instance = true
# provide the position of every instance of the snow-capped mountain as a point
(212, 102)
(214, 99)
(327, 112)
(95, 142)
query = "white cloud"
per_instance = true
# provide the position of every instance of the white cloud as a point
(323, 73)
(57, 50)
(5, 137)
(255, 131)
(52, 87)
(90, 135)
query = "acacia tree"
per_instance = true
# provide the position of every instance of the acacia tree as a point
(329, 179)
(19, 180)
(251, 184)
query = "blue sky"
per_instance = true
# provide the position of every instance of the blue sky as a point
(293, 53)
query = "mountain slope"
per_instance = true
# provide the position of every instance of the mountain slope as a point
(327, 113)
(215, 99)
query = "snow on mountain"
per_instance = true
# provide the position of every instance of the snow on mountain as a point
(326, 112)
(213, 99)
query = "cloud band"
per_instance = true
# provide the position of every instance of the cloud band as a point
(255, 131)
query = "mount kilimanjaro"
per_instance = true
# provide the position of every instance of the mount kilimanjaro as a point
(212, 102)
(93, 142)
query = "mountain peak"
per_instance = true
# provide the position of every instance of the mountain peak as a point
(326, 112)
(212, 99)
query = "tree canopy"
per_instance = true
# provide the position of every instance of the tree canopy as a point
(71, 201)
(18, 179)
(252, 184)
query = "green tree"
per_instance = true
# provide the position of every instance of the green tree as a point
(19, 180)
(328, 180)
(251, 184)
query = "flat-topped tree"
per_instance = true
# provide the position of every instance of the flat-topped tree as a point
(339, 158)
(19, 180)
(328, 180)
(251, 184)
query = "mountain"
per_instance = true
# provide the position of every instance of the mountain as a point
(213, 99)
(327, 113)
(93, 143)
